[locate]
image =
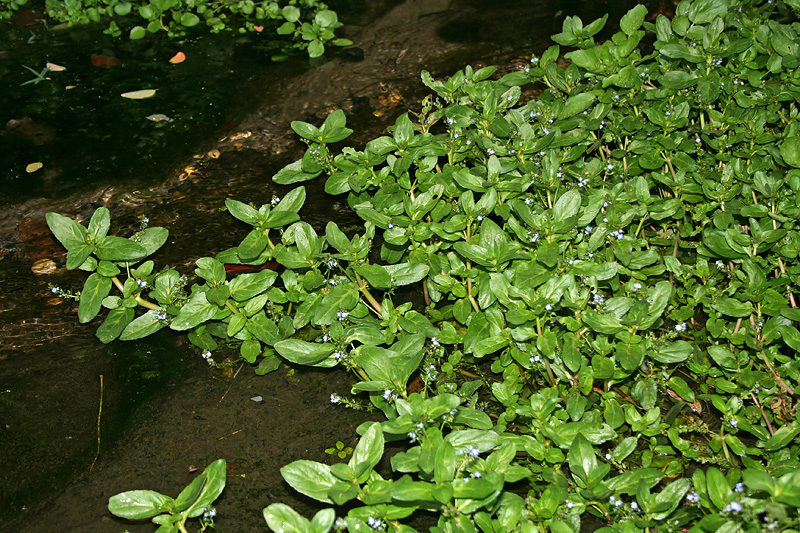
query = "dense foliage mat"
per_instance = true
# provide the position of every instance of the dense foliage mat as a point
(574, 309)
(309, 23)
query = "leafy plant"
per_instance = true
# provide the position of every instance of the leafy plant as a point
(172, 513)
(339, 449)
(310, 23)
(573, 296)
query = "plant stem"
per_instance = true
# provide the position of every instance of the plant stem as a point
(99, 413)
(139, 300)
(362, 287)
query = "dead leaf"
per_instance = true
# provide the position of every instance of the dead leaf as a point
(258, 28)
(33, 167)
(104, 61)
(54, 67)
(159, 117)
(180, 57)
(138, 95)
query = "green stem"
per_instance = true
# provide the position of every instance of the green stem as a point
(362, 286)
(139, 300)
(231, 307)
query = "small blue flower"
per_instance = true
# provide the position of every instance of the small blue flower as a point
(733, 507)
(335, 398)
(472, 451)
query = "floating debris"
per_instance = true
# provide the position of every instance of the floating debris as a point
(159, 117)
(138, 95)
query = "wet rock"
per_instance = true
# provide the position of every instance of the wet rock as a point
(26, 128)
(351, 55)
(44, 267)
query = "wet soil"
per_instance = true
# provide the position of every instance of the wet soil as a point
(164, 410)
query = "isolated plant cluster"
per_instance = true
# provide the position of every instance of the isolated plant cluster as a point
(309, 22)
(574, 310)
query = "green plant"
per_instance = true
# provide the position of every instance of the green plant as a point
(195, 501)
(339, 449)
(40, 76)
(588, 272)
(309, 22)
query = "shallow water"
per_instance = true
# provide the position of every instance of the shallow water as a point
(164, 409)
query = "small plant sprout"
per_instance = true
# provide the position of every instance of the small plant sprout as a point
(339, 449)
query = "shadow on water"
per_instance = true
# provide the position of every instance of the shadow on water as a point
(165, 410)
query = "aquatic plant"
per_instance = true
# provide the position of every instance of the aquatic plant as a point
(573, 296)
(172, 513)
(309, 22)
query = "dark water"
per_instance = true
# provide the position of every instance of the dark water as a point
(164, 409)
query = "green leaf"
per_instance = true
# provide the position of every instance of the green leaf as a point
(310, 478)
(674, 352)
(403, 129)
(99, 224)
(306, 130)
(790, 151)
(406, 273)
(115, 322)
(303, 352)
(782, 437)
(137, 32)
(77, 255)
(67, 231)
(718, 489)
(151, 239)
(608, 324)
(293, 201)
(243, 212)
(211, 484)
(111, 248)
(576, 104)
(281, 517)
(291, 13)
(316, 48)
(210, 270)
(94, 290)
(368, 452)
(194, 312)
(245, 286)
(343, 297)
(293, 173)
(733, 307)
(263, 328)
(139, 504)
(189, 20)
(632, 20)
(141, 327)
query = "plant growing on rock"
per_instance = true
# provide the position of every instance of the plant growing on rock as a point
(592, 289)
